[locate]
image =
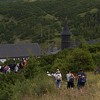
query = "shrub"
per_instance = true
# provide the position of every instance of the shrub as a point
(82, 59)
(32, 68)
(96, 58)
(30, 88)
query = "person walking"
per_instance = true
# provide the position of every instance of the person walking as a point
(58, 78)
(70, 80)
(81, 80)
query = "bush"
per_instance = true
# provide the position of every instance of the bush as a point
(81, 58)
(30, 88)
(96, 58)
(6, 82)
(32, 68)
(43, 84)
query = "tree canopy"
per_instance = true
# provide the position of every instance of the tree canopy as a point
(42, 19)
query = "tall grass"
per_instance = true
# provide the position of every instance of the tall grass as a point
(43, 88)
(90, 92)
(31, 89)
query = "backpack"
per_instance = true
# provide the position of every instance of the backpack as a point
(82, 79)
(58, 77)
(71, 79)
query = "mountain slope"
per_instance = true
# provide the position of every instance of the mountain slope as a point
(31, 21)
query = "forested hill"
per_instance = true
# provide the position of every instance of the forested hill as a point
(29, 21)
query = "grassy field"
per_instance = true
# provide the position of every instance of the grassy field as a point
(43, 88)
(90, 92)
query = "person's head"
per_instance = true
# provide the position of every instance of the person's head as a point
(58, 72)
(81, 70)
(68, 71)
(57, 69)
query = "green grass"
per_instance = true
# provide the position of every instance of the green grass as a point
(90, 92)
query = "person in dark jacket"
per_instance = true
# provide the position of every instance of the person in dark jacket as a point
(81, 80)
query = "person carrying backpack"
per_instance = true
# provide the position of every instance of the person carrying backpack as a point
(81, 80)
(58, 78)
(70, 80)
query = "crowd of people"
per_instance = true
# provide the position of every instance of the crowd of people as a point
(70, 77)
(80, 77)
(15, 67)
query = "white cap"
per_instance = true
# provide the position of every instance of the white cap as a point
(47, 72)
(58, 72)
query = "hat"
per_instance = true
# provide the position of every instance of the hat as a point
(58, 72)
(47, 72)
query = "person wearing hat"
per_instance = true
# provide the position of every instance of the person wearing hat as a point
(58, 78)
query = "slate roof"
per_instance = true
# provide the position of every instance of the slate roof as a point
(19, 50)
(66, 30)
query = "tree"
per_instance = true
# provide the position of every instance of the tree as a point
(82, 58)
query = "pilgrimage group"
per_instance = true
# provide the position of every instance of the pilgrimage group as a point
(15, 67)
(80, 77)
(70, 77)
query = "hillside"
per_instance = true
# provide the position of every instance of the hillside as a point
(41, 20)
(31, 81)
(91, 91)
